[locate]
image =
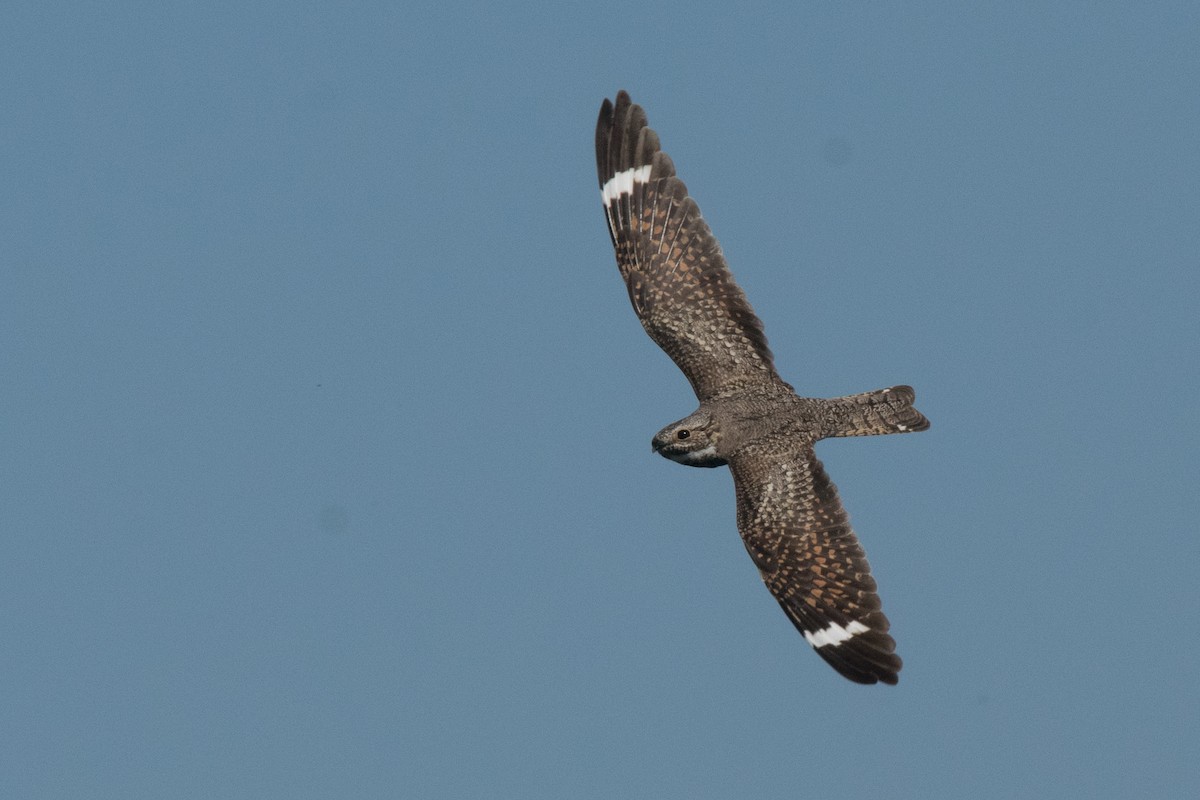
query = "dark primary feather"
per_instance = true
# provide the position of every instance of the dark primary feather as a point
(677, 278)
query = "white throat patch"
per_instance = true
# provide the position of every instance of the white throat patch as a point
(696, 456)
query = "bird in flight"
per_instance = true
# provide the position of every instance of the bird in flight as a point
(788, 511)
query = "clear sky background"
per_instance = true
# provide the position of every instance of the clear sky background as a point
(325, 420)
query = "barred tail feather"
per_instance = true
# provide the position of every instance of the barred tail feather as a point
(881, 411)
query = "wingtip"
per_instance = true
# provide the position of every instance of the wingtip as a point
(861, 667)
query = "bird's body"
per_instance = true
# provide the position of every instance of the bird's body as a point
(789, 514)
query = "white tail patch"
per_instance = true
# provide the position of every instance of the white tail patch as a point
(834, 634)
(622, 183)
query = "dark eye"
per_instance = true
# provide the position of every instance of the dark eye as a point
(683, 434)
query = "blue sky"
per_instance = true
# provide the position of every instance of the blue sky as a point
(324, 457)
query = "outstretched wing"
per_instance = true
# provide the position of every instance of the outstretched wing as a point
(799, 536)
(677, 278)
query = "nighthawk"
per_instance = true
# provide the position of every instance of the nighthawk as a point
(788, 511)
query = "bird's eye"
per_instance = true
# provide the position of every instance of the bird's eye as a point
(683, 434)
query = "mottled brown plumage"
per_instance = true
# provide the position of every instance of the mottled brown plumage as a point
(789, 514)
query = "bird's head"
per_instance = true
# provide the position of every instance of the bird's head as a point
(692, 441)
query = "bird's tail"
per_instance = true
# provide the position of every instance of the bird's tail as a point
(881, 411)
